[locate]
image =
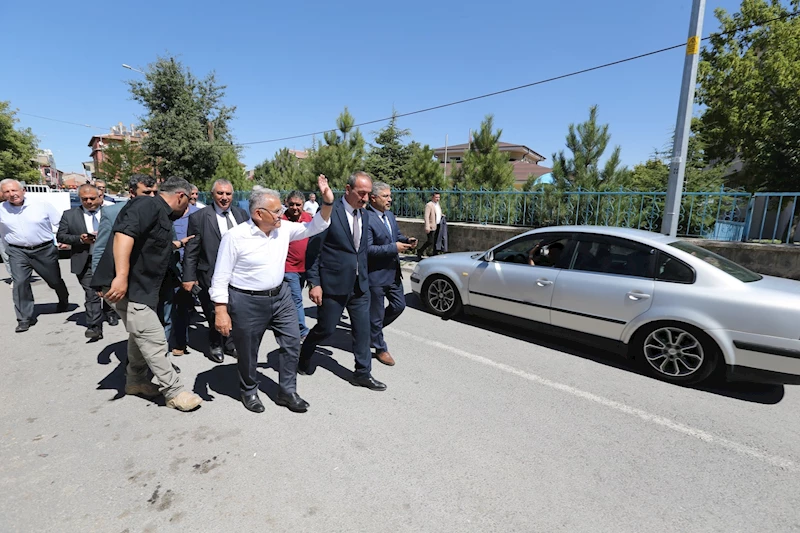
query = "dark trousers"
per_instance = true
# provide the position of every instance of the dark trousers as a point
(328, 316)
(214, 337)
(379, 316)
(182, 305)
(93, 304)
(253, 315)
(44, 261)
(430, 240)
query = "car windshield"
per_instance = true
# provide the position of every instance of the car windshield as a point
(726, 265)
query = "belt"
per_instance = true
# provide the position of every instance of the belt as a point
(31, 247)
(270, 292)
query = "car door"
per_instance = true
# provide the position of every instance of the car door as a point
(609, 283)
(519, 278)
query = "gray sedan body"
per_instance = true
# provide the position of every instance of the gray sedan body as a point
(683, 312)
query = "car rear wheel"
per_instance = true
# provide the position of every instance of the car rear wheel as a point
(675, 352)
(441, 297)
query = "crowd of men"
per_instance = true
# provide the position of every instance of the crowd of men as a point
(150, 261)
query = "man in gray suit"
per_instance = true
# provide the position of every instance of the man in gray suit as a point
(78, 228)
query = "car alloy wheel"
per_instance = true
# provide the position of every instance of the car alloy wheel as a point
(674, 352)
(441, 297)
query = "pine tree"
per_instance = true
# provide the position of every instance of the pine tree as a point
(422, 171)
(388, 158)
(341, 155)
(230, 169)
(484, 165)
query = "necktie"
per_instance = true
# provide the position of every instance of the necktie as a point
(356, 229)
(95, 222)
(388, 226)
(228, 219)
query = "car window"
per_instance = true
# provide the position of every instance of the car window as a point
(726, 265)
(670, 269)
(609, 255)
(545, 250)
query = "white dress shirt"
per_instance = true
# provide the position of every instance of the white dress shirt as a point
(348, 210)
(310, 207)
(438, 210)
(87, 218)
(252, 260)
(29, 224)
(222, 221)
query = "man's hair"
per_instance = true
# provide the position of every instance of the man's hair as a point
(351, 181)
(88, 186)
(144, 179)
(194, 188)
(99, 181)
(259, 197)
(10, 180)
(296, 194)
(175, 184)
(312, 194)
(434, 193)
(379, 186)
(220, 182)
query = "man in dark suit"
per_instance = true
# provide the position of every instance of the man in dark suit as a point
(78, 228)
(208, 225)
(385, 243)
(338, 278)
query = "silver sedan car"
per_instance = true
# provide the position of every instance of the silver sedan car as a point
(682, 312)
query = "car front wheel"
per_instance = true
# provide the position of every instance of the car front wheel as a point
(675, 352)
(441, 297)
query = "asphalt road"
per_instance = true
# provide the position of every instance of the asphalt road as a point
(482, 429)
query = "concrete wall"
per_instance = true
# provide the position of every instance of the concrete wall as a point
(772, 259)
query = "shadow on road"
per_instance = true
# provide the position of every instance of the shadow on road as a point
(749, 392)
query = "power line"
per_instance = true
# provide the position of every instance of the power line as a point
(527, 85)
(62, 121)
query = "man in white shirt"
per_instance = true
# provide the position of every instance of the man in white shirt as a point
(27, 228)
(433, 215)
(248, 290)
(101, 186)
(311, 206)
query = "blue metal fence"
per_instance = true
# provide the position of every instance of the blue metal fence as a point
(725, 215)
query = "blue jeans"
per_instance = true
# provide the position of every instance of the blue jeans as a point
(296, 280)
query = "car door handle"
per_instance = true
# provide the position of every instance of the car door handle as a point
(543, 282)
(634, 295)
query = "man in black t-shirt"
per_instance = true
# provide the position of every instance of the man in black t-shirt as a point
(130, 274)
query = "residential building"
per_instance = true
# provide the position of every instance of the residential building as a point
(118, 134)
(524, 160)
(46, 163)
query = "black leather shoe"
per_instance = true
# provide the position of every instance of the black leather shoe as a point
(292, 401)
(22, 327)
(176, 368)
(253, 403)
(62, 307)
(368, 382)
(232, 352)
(304, 367)
(113, 319)
(93, 333)
(216, 354)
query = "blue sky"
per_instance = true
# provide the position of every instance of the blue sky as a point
(291, 67)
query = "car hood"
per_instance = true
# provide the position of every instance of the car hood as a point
(457, 257)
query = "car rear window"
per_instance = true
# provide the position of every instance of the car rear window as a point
(726, 265)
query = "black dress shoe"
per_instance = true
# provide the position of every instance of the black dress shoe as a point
(216, 354)
(232, 352)
(369, 382)
(304, 367)
(62, 307)
(292, 401)
(113, 319)
(176, 368)
(22, 327)
(253, 403)
(93, 333)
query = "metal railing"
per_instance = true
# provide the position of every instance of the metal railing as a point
(725, 215)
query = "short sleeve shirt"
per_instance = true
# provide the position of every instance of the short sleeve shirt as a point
(146, 220)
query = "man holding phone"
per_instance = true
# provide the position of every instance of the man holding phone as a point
(78, 228)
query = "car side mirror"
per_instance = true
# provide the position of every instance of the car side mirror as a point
(488, 256)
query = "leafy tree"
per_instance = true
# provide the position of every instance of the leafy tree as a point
(422, 170)
(186, 122)
(484, 165)
(341, 154)
(588, 142)
(120, 162)
(388, 159)
(230, 169)
(748, 80)
(285, 172)
(17, 148)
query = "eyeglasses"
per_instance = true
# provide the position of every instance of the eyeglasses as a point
(278, 212)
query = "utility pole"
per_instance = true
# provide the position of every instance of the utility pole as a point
(677, 168)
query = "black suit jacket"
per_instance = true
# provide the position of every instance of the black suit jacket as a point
(70, 229)
(334, 267)
(200, 256)
(383, 260)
